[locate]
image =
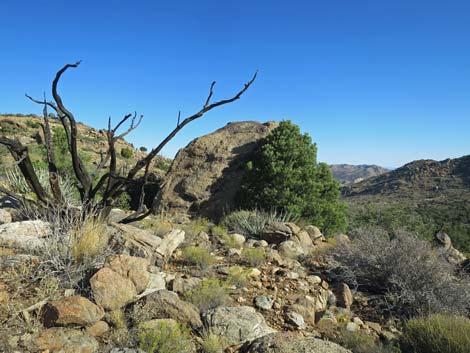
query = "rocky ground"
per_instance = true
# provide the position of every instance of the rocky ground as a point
(265, 295)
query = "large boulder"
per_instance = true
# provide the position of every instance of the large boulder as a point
(205, 176)
(74, 310)
(111, 290)
(236, 324)
(169, 305)
(285, 343)
(134, 268)
(26, 235)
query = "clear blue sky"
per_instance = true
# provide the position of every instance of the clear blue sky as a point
(377, 81)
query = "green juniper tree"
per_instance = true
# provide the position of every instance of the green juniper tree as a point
(284, 175)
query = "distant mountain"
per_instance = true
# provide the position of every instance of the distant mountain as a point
(423, 197)
(348, 173)
(420, 179)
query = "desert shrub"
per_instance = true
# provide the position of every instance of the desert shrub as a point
(252, 223)
(212, 343)
(437, 334)
(403, 273)
(126, 153)
(73, 249)
(360, 342)
(209, 294)
(165, 338)
(123, 201)
(143, 149)
(237, 276)
(284, 174)
(194, 227)
(200, 257)
(32, 124)
(117, 319)
(254, 257)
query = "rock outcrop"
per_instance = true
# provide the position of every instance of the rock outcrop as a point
(281, 343)
(205, 175)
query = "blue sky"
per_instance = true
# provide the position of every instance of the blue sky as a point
(382, 82)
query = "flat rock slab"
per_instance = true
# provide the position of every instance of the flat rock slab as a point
(237, 324)
(283, 343)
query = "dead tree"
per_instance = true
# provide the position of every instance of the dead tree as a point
(97, 196)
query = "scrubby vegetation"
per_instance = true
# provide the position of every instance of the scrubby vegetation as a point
(406, 276)
(437, 334)
(165, 338)
(210, 294)
(285, 175)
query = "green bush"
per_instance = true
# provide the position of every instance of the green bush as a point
(32, 124)
(198, 256)
(143, 149)
(437, 334)
(254, 257)
(213, 343)
(209, 294)
(360, 342)
(285, 175)
(237, 276)
(165, 338)
(126, 152)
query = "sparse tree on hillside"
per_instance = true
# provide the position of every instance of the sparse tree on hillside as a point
(98, 191)
(285, 175)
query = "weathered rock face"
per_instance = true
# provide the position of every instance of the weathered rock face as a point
(237, 324)
(283, 344)
(111, 290)
(26, 235)
(205, 176)
(73, 310)
(170, 306)
(66, 341)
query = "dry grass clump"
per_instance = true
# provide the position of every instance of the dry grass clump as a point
(254, 257)
(212, 343)
(198, 256)
(74, 248)
(209, 294)
(404, 274)
(238, 276)
(166, 337)
(437, 334)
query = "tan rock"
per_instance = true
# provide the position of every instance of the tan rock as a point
(74, 310)
(344, 297)
(171, 306)
(134, 268)
(111, 290)
(98, 329)
(62, 340)
(205, 176)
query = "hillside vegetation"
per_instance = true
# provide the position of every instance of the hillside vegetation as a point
(423, 196)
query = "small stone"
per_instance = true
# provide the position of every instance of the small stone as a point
(352, 327)
(98, 329)
(358, 321)
(313, 279)
(296, 319)
(344, 296)
(5, 216)
(264, 302)
(238, 238)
